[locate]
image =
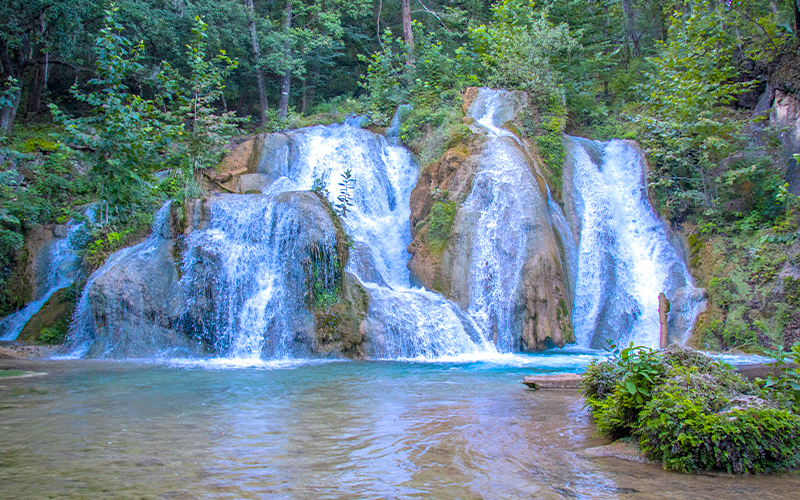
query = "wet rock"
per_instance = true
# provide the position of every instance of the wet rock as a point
(252, 182)
(137, 304)
(491, 174)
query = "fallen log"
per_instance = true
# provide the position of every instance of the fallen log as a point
(559, 381)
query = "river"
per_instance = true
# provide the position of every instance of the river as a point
(297, 429)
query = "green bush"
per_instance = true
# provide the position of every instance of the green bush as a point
(617, 389)
(691, 412)
(694, 422)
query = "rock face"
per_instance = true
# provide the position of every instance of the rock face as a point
(786, 115)
(255, 263)
(484, 235)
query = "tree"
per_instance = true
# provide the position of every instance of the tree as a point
(257, 68)
(286, 81)
(408, 32)
(124, 131)
(688, 127)
(36, 35)
(195, 96)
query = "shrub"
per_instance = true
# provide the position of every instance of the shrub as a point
(691, 412)
(694, 422)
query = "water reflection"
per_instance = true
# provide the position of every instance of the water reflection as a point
(92, 429)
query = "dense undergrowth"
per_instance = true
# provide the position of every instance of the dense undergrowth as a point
(693, 413)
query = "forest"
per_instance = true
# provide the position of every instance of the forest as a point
(97, 98)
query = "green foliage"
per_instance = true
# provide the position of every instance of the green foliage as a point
(693, 422)
(99, 240)
(689, 125)
(694, 413)
(320, 188)
(784, 385)
(441, 221)
(617, 389)
(750, 304)
(204, 131)
(515, 51)
(54, 334)
(124, 130)
(10, 88)
(345, 197)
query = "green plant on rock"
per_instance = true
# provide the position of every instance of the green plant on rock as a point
(783, 385)
(693, 422)
(617, 389)
(441, 221)
(345, 198)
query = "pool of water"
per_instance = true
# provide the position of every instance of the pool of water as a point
(465, 429)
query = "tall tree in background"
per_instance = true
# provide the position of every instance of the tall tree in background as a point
(286, 81)
(259, 71)
(35, 36)
(408, 32)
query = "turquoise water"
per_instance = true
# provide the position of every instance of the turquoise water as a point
(318, 429)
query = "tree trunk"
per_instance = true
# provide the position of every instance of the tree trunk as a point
(630, 22)
(797, 18)
(34, 98)
(11, 63)
(408, 33)
(286, 81)
(8, 113)
(262, 93)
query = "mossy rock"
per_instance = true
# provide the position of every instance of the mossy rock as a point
(340, 325)
(50, 324)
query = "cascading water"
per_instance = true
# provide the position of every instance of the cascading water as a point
(62, 269)
(625, 258)
(252, 266)
(250, 243)
(127, 336)
(514, 221)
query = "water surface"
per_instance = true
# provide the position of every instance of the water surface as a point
(311, 430)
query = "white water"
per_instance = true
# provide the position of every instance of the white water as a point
(62, 271)
(257, 311)
(511, 210)
(625, 258)
(82, 328)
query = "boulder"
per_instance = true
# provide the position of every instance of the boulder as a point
(136, 305)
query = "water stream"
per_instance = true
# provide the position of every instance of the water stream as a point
(625, 258)
(61, 270)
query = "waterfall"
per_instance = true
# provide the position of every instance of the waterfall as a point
(625, 258)
(514, 221)
(62, 269)
(257, 310)
(82, 330)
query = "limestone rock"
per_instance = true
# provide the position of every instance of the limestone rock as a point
(541, 310)
(137, 304)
